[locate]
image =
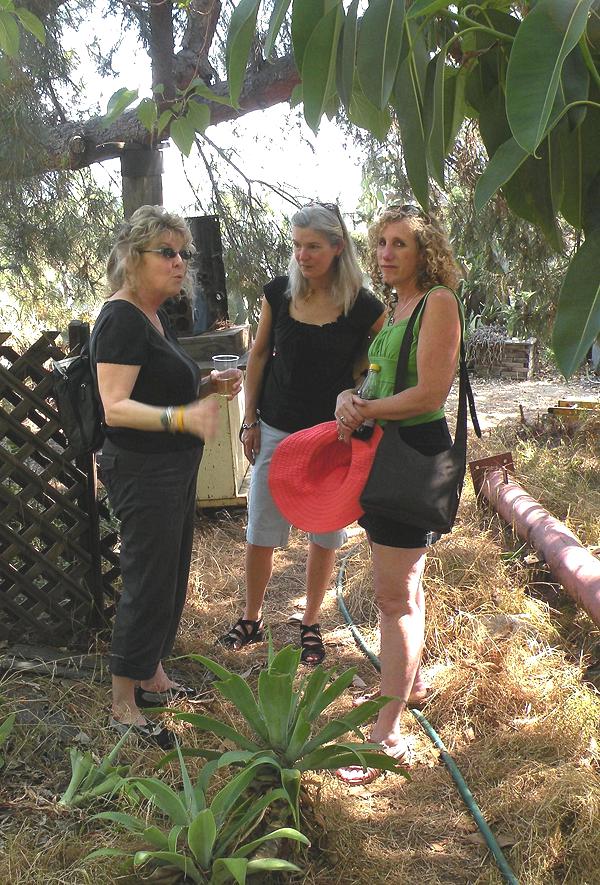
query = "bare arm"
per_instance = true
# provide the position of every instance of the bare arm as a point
(115, 384)
(257, 362)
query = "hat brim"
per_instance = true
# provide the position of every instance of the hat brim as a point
(316, 479)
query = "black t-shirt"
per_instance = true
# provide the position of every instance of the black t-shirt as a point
(311, 364)
(124, 335)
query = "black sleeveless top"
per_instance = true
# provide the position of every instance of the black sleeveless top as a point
(311, 364)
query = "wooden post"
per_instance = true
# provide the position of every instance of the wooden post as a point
(141, 173)
(79, 334)
(210, 292)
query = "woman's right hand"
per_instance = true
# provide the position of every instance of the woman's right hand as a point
(251, 443)
(346, 415)
(202, 418)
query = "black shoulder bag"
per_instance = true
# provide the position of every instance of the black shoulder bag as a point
(406, 486)
(78, 401)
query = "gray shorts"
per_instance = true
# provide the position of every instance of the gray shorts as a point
(267, 527)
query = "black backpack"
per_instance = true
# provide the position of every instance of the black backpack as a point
(78, 402)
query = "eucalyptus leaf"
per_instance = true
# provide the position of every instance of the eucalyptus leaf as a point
(501, 167)
(407, 100)
(318, 69)
(549, 32)
(240, 35)
(379, 46)
(278, 13)
(306, 14)
(577, 323)
(346, 62)
(365, 115)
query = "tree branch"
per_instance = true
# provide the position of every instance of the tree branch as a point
(75, 145)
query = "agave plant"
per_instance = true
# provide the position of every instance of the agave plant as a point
(5, 729)
(88, 780)
(283, 720)
(215, 846)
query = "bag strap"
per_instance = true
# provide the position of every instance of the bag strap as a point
(465, 392)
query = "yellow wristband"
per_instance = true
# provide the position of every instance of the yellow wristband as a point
(179, 420)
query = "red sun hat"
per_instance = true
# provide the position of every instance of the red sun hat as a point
(316, 479)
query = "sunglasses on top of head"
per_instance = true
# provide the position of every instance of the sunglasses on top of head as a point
(331, 207)
(170, 254)
(409, 209)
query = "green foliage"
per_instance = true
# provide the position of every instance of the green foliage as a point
(214, 836)
(6, 726)
(89, 781)
(55, 235)
(10, 36)
(531, 81)
(283, 719)
(583, 313)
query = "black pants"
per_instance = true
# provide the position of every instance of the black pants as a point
(154, 497)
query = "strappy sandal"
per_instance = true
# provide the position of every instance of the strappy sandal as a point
(311, 642)
(150, 732)
(146, 698)
(243, 632)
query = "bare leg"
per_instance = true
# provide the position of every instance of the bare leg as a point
(319, 568)
(159, 682)
(397, 578)
(259, 568)
(124, 707)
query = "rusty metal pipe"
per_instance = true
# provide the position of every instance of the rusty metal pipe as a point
(571, 564)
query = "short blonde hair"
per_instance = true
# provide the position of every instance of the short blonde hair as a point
(145, 225)
(437, 265)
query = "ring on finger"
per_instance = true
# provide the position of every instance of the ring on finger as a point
(342, 419)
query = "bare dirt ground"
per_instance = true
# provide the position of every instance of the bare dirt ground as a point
(497, 400)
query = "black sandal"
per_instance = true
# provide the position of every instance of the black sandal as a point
(243, 632)
(311, 642)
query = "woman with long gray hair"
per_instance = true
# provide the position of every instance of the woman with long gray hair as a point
(312, 334)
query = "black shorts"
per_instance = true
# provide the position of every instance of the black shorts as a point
(428, 439)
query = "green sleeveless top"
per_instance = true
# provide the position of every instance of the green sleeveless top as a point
(385, 349)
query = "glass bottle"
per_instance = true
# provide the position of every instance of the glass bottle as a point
(368, 390)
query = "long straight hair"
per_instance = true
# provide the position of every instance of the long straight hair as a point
(347, 275)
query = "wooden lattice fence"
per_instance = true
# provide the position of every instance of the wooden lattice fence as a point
(58, 565)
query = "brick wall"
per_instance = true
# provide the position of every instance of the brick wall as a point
(517, 362)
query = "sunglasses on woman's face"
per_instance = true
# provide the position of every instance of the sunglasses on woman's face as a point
(170, 254)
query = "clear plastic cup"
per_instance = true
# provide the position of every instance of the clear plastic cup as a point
(226, 364)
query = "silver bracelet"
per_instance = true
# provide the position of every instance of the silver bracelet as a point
(166, 419)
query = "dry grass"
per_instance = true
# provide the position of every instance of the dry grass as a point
(509, 703)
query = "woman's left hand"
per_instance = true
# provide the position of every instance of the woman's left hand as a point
(234, 377)
(346, 415)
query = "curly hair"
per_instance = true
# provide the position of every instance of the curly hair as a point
(145, 225)
(326, 219)
(437, 265)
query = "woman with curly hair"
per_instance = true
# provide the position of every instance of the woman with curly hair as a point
(412, 259)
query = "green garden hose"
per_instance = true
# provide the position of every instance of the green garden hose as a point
(447, 759)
